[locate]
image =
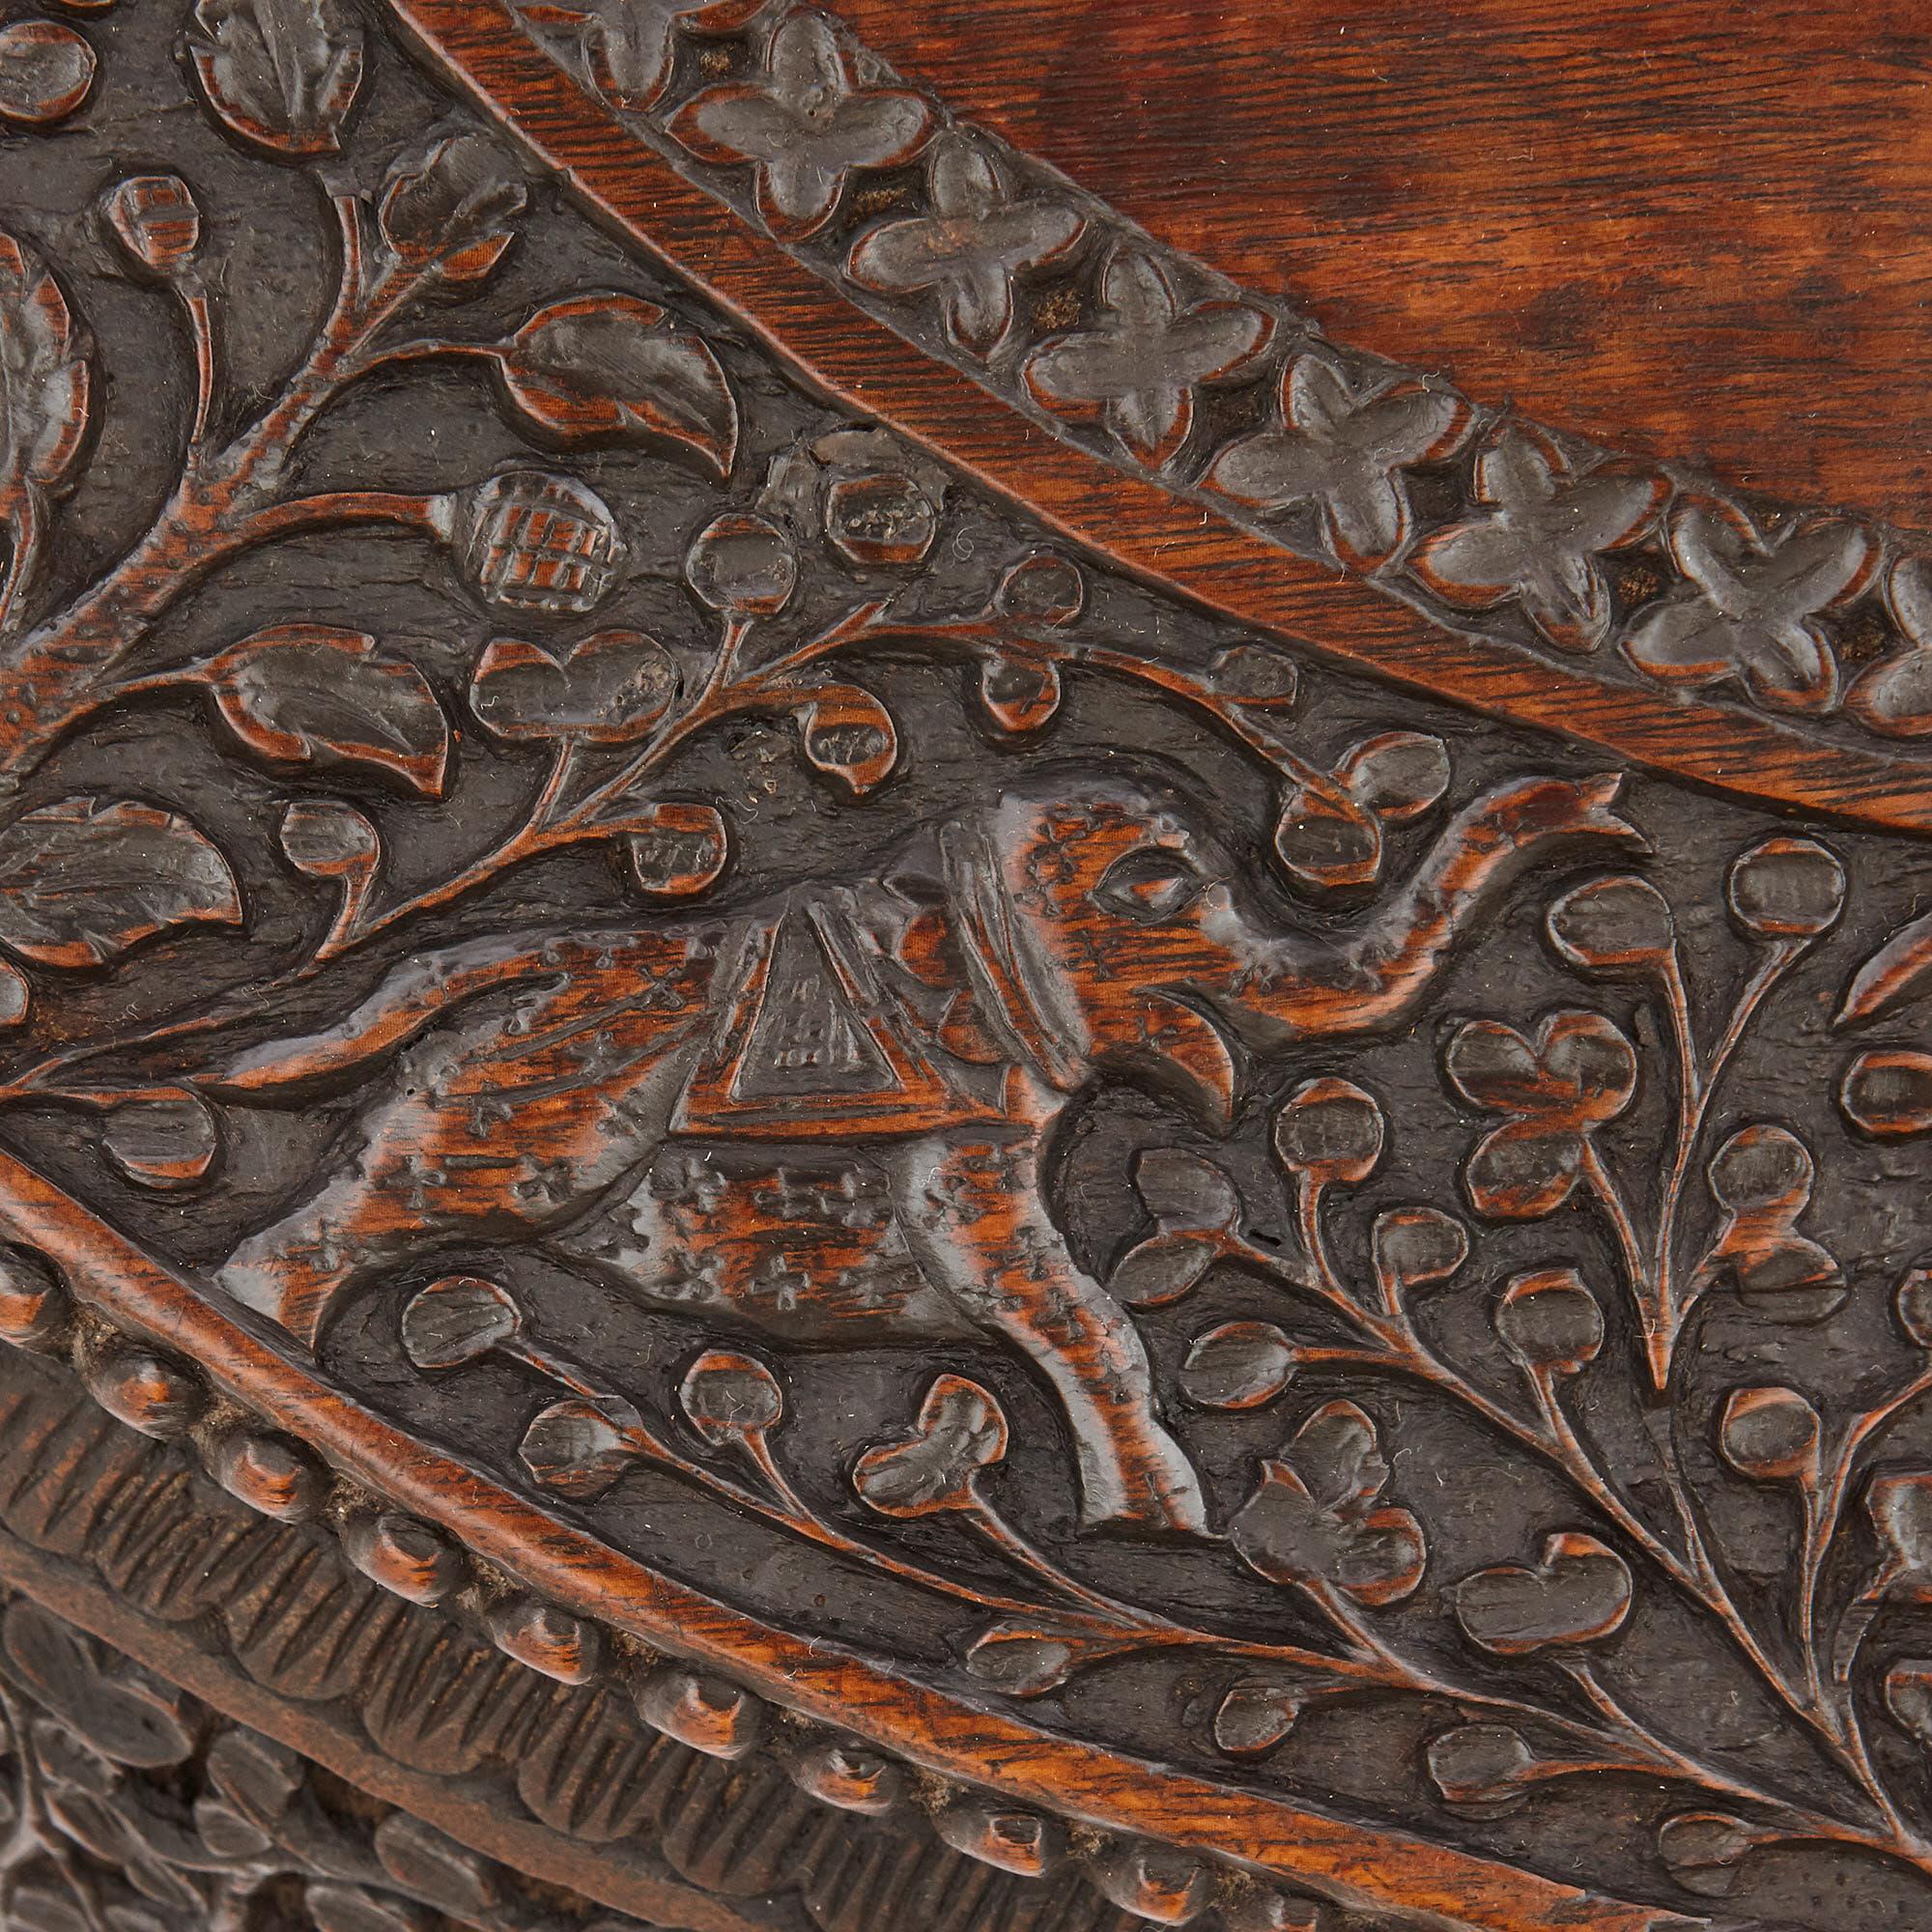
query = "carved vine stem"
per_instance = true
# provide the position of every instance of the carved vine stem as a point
(1400, 1349)
(227, 500)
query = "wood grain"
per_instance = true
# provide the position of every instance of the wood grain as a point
(1694, 231)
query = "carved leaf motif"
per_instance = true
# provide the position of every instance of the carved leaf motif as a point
(126, 1716)
(849, 734)
(328, 839)
(351, 1908)
(960, 1431)
(15, 995)
(609, 688)
(165, 1142)
(1770, 1435)
(1415, 1247)
(1019, 689)
(731, 1398)
(310, 693)
(1482, 1770)
(83, 880)
(1029, 1660)
(1894, 695)
(677, 849)
(1900, 1508)
(1329, 1133)
(1255, 1715)
(580, 1446)
(612, 366)
(457, 1320)
(1194, 1206)
(1703, 1850)
(46, 71)
(450, 203)
(1578, 1593)
(1908, 1696)
(1617, 926)
(1239, 1365)
(43, 399)
(1549, 1321)
(1575, 1073)
(1762, 1178)
(282, 75)
(1311, 1518)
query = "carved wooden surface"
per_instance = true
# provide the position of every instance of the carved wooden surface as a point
(769, 1155)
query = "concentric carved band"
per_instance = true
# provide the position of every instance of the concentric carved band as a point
(1638, 605)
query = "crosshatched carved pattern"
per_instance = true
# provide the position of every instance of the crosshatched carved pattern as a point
(713, 973)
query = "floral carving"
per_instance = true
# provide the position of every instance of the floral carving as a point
(1750, 604)
(1575, 1074)
(1342, 444)
(980, 233)
(1894, 698)
(1544, 529)
(806, 125)
(630, 46)
(1139, 366)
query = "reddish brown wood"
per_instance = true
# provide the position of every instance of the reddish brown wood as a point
(1691, 230)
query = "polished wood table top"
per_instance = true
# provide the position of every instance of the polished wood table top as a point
(964, 967)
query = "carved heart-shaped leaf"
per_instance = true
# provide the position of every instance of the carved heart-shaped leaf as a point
(1255, 1715)
(328, 839)
(612, 366)
(731, 1397)
(457, 1320)
(580, 1446)
(1239, 1365)
(164, 1140)
(424, 1862)
(1029, 1660)
(850, 735)
(83, 880)
(311, 694)
(1578, 1593)
(609, 688)
(960, 1431)
(46, 71)
(1324, 838)
(1310, 1520)
(677, 849)
(1483, 1770)
(1020, 691)
(281, 74)
(1395, 775)
(1416, 1247)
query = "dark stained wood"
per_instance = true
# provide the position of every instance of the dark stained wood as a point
(864, 1063)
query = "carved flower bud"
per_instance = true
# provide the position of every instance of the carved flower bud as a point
(1619, 926)
(886, 519)
(744, 566)
(1329, 1132)
(1550, 1321)
(452, 202)
(1786, 889)
(533, 540)
(1770, 1435)
(1480, 1770)
(154, 218)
